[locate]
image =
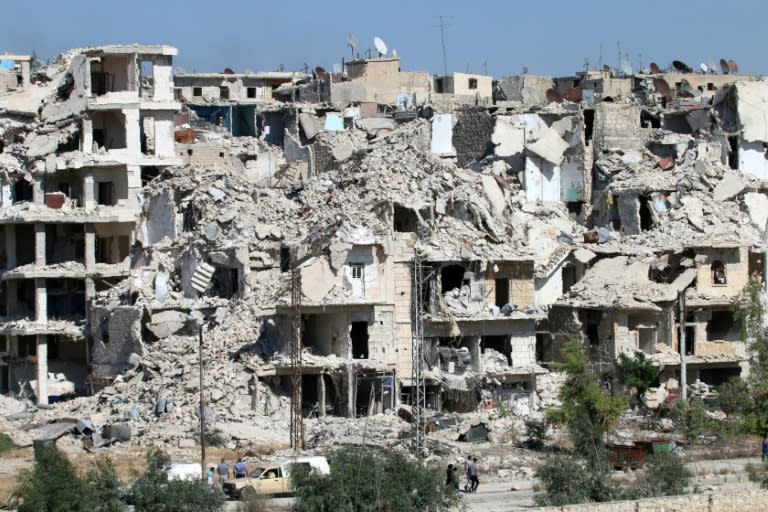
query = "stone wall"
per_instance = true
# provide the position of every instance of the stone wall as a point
(742, 501)
(472, 134)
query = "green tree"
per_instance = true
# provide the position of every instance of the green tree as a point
(53, 485)
(373, 481)
(102, 482)
(586, 411)
(749, 312)
(665, 475)
(154, 492)
(637, 373)
(569, 480)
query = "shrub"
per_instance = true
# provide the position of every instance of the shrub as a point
(567, 480)
(53, 485)
(536, 431)
(6, 444)
(637, 373)
(665, 475)
(373, 480)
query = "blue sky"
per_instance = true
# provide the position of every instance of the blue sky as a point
(549, 37)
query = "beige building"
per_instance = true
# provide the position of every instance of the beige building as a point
(379, 81)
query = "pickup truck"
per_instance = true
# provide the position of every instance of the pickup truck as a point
(273, 479)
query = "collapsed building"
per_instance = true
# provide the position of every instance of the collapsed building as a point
(365, 212)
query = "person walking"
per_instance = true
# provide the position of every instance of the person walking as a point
(452, 477)
(764, 448)
(473, 475)
(223, 470)
(467, 464)
(210, 478)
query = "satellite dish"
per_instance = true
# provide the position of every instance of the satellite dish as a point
(681, 66)
(724, 66)
(703, 67)
(606, 68)
(662, 86)
(712, 67)
(733, 67)
(320, 71)
(380, 46)
(403, 101)
(352, 43)
(655, 68)
(394, 52)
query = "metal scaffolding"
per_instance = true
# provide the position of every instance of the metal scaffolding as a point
(418, 389)
(297, 419)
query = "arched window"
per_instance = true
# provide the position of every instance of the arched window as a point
(719, 276)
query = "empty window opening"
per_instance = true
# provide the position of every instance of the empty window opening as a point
(285, 259)
(646, 216)
(104, 250)
(440, 85)
(71, 144)
(101, 81)
(251, 92)
(22, 191)
(719, 275)
(690, 341)
(105, 192)
(733, 152)
(646, 339)
(224, 93)
(326, 334)
(109, 129)
(500, 344)
(148, 174)
(112, 73)
(502, 292)
(25, 252)
(64, 242)
(27, 345)
(591, 322)
(359, 336)
(66, 299)
(719, 376)
(190, 218)
(472, 83)
(2, 145)
(757, 266)
(197, 92)
(569, 277)
(575, 207)
(649, 121)
(451, 277)
(676, 123)
(721, 326)
(589, 125)
(405, 220)
(146, 78)
(544, 347)
(225, 282)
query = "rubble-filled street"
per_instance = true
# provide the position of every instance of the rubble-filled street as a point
(277, 262)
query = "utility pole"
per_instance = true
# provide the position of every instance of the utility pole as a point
(297, 417)
(419, 394)
(202, 400)
(443, 25)
(683, 348)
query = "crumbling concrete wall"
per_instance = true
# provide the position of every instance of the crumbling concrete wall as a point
(472, 135)
(617, 126)
(116, 337)
(736, 263)
(742, 501)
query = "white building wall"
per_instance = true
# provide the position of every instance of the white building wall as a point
(542, 180)
(752, 159)
(550, 288)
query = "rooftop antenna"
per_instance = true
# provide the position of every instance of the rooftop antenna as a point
(352, 43)
(378, 43)
(444, 23)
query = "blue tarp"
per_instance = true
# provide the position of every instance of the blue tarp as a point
(333, 123)
(6, 65)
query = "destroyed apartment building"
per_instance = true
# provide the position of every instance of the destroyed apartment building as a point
(409, 233)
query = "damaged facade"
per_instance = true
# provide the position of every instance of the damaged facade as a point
(490, 221)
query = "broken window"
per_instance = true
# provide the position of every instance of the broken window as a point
(66, 298)
(251, 92)
(720, 326)
(101, 81)
(591, 321)
(22, 191)
(71, 144)
(285, 259)
(646, 215)
(719, 376)
(589, 125)
(719, 276)
(224, 92)
(733, 152)
(359, 337)
(440, 85)
(25, 252)
(105, 193)
(500, 344)
(757, 266)
(452, 277)
(472, 83)
(648, 120)
(148, 174)
(197, 92)
(405, 220)
(502, 292)
(225, 282)
(109, 129)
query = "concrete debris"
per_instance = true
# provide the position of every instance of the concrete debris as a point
(210, 204)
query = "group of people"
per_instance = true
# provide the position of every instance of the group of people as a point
(471, 471)
(239, 470)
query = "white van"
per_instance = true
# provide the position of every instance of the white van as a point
(273, 479)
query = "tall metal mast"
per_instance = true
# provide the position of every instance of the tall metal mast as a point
(297, 419)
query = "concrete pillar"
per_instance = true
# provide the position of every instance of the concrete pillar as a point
(350, 392)
(42, 369)
(40, 244)
(38, 192)
(321, 395)
(90, 288)
(25, 74)
(132, 131)
(6, 193)
(88, 190)
(87, 137)
(90, 246)
(115, 249)
(41, 301)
